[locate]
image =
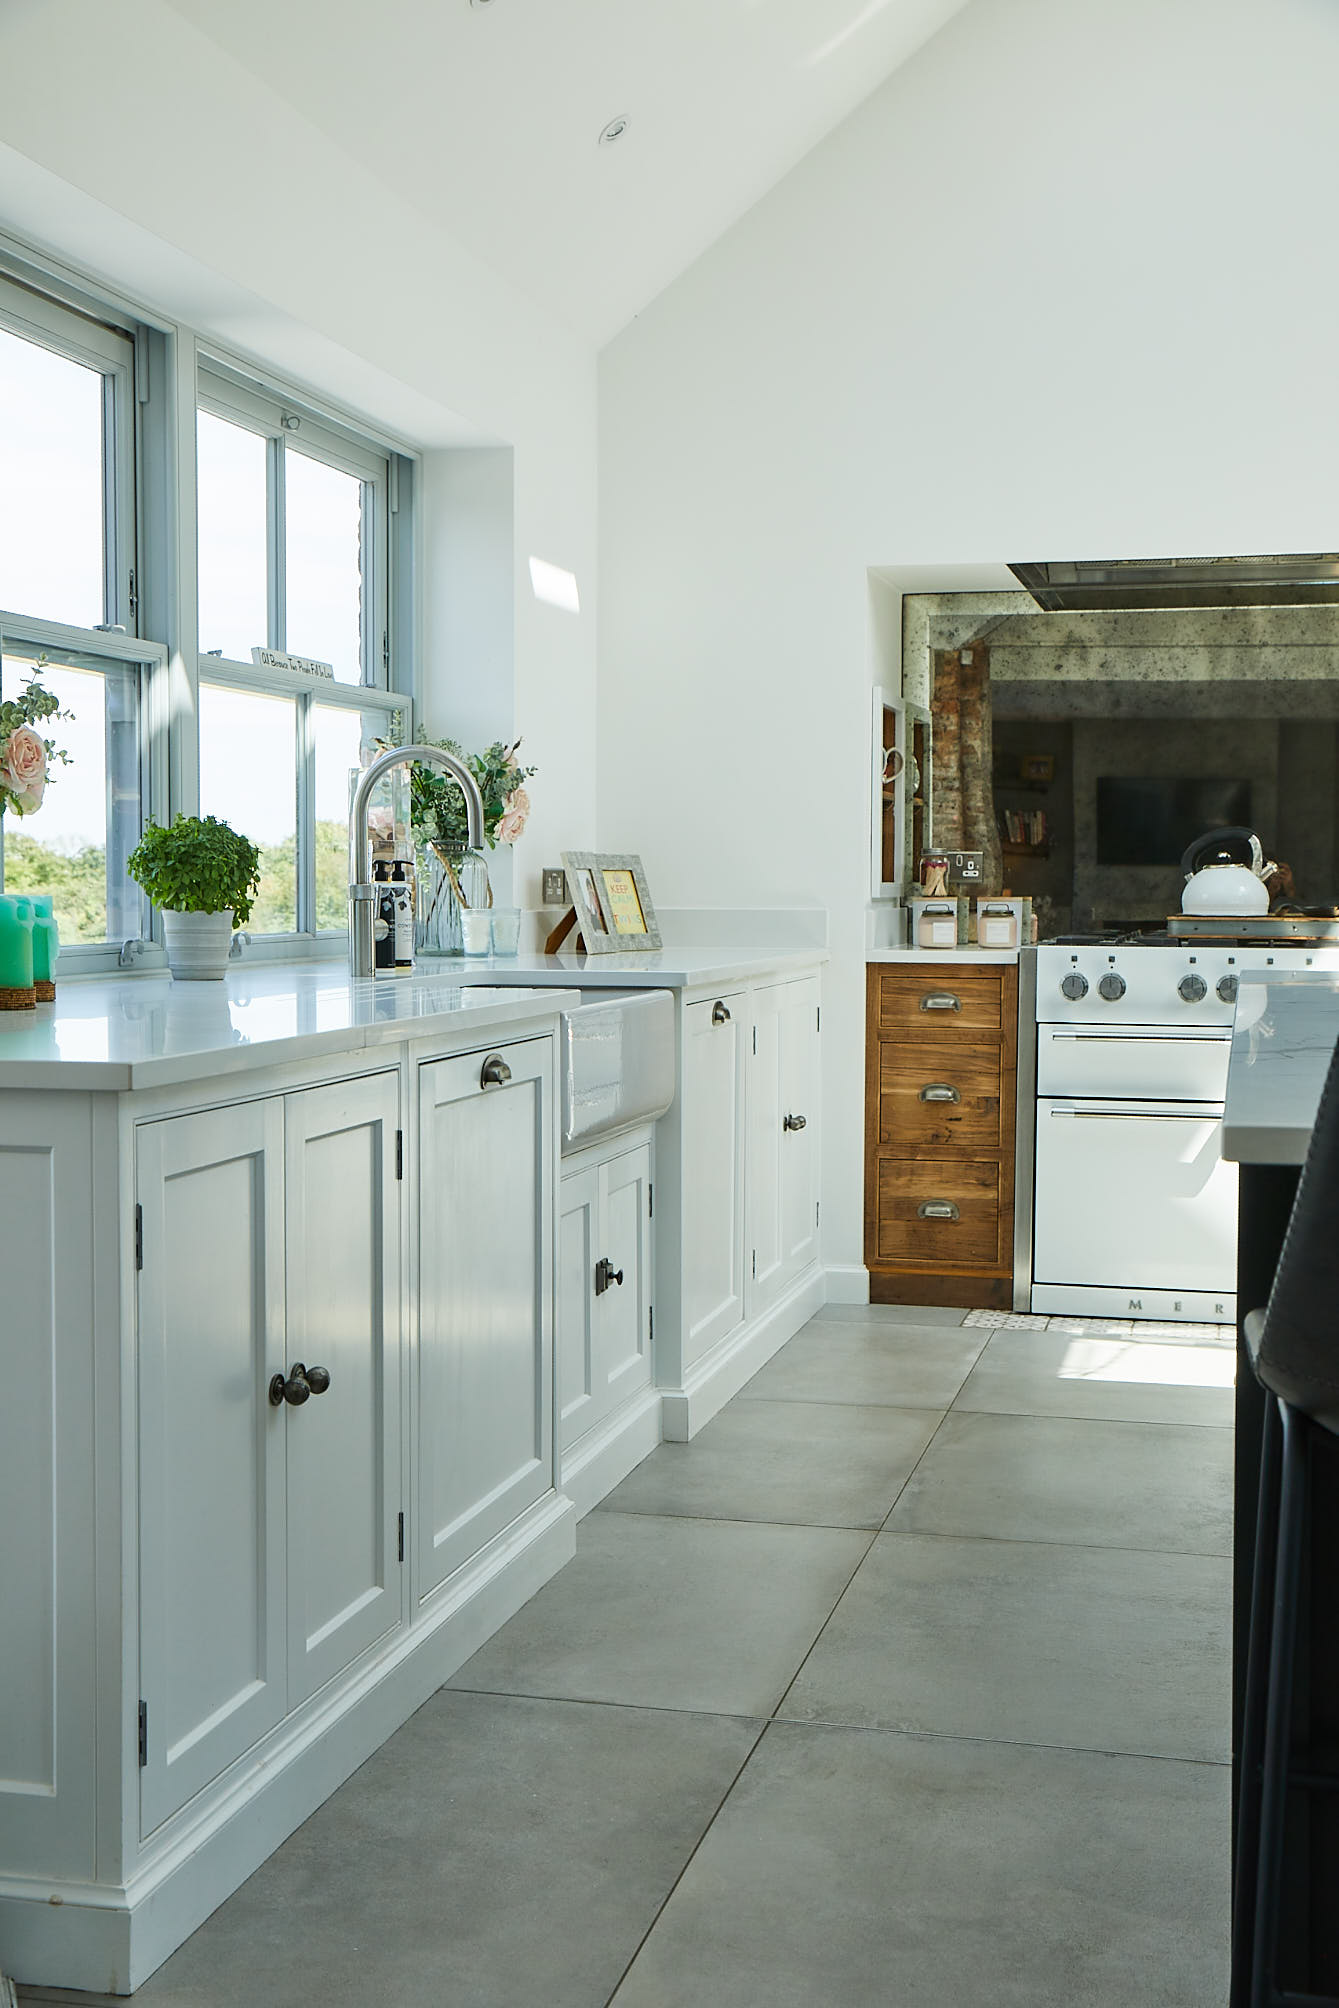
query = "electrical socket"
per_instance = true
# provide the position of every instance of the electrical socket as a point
(555, 886)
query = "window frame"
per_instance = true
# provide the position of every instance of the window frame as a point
(224, 393)
(307, 690)
(168, 371)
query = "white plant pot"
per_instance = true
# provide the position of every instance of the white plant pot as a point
(198, 943)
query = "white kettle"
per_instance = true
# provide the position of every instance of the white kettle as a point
(1225, 874)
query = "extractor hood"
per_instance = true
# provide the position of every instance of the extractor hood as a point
(1069, 586)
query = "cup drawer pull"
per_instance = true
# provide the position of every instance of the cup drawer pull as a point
(941, 1000)
(937, 1209)
(939, 1091)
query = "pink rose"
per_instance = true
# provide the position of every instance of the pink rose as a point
(515, 812)
(24, 769)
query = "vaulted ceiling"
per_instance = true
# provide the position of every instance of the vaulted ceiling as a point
(486, 115)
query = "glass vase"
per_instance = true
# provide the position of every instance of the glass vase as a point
(437, 928)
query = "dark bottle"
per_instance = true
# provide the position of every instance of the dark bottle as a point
(383, 916)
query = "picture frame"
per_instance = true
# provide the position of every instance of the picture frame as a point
(612, 902)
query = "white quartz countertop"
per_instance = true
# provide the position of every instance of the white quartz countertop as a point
(656, 969)
(149, 1031)
(1283, 1036)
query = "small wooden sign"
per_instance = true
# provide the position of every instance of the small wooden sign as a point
(276, 658)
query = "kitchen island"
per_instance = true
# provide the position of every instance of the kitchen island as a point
(281, 1443)
(1283, 1037)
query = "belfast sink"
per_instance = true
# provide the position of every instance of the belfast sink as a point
(617, 1062)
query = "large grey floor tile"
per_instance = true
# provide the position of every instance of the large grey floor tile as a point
(1090, 1648)
(788, 1462)
(701, 1614)
(1115, 1379)
(1049, 1478)
(886, 1316)
(903, 1366)
(455, 1865)
(851, 1870)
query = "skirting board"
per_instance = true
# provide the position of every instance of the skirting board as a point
(601, 1459)
(99, 1939)
(713, 1380)
(848, 1283)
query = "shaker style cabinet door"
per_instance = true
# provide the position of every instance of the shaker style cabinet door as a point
(343, 1288)
(485, 1299)
(711, 1122)
(782, 1137)
(604, 1290)
(578, 1252)
(211, 1448)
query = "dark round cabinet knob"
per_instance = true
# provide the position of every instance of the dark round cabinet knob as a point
(1074, 986)
(1192, 988)
(1227, 989)
(318, 1379)
(302, 1383)
(1111, 987)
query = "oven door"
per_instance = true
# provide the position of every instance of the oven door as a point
(1134, 1195)
(1181, 1063)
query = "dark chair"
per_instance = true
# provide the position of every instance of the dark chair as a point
(1294, 1349)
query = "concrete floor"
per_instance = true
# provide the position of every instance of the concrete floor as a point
(905, 1683)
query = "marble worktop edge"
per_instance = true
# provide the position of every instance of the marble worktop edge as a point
(1283, 1035)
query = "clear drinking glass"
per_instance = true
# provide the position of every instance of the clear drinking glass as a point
(506, 930)
(476, 930)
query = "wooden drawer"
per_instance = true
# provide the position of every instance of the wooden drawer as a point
(939, 1096)
(969, 1238)
(949, 1004)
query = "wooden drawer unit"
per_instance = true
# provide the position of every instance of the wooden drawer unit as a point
(941, 1067)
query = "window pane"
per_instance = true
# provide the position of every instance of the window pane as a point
(233, 545)
(90, 806)
(323, 561)
(340, 737)
(248, 778)
(51, 488)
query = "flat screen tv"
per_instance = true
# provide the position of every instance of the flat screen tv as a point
(1149, 819)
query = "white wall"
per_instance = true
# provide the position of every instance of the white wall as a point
(1056, 290)
(138, 152)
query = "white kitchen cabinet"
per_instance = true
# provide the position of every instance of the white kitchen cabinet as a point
(782, 1159)
(485, 1322)
(342, 1210)
(213, 1633)
(711, 1130)
(604, 1294)
(269, 1239)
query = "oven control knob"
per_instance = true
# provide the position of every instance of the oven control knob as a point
(1111, 987)
(1192, 989)
(1227, 989)
(1074, 986)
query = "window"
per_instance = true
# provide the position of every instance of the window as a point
(67, 584)
(293, 524)
(293, 556)
(284, 543)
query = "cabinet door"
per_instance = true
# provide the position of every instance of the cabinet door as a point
(765, 1233)
(578, 1236)
(343, 1221)
(485, 1296)
(622, 1311)
(712, 1172)
(211, 1448)
(782, 1133)
(801, 1098)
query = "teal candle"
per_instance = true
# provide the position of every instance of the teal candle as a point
(16, 954)
(46, 944)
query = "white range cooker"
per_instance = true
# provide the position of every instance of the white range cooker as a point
(1135, 1212)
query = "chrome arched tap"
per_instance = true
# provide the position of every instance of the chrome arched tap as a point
(362, 893)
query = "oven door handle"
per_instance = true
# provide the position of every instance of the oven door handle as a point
(1177, 1038)
(1138, 1115)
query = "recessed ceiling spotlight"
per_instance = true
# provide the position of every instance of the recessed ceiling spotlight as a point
(614, 130)
(481, 3)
